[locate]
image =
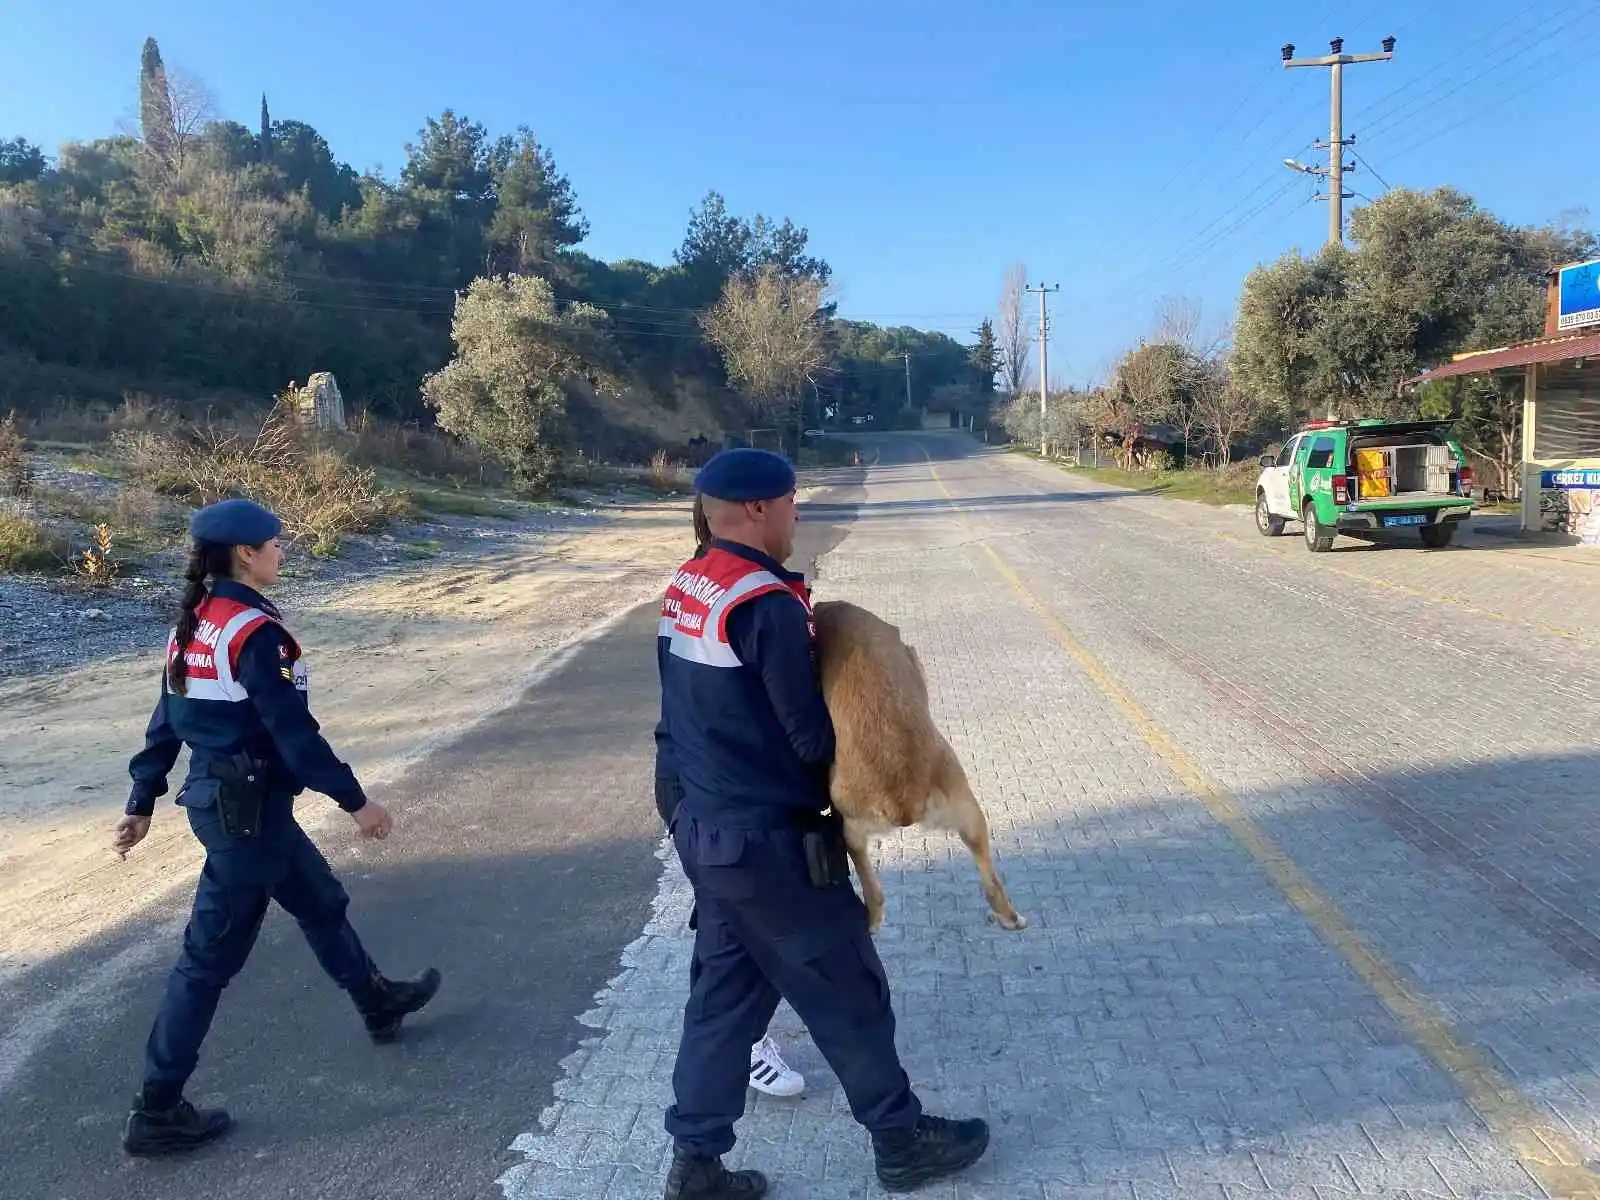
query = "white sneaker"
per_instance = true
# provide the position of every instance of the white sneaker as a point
(770, 1074)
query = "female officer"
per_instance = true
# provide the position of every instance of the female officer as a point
(234, 691)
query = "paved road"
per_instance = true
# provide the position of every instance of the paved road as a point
(527, 862)
(1306, 843)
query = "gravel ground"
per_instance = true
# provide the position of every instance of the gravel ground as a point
(52, 622)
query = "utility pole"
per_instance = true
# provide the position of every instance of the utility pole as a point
(906, 354)
(1044, 362)
(1336, 61)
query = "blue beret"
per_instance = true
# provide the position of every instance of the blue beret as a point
(745, 474)
(234, 523)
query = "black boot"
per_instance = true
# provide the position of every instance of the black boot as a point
(933, 1149)
(696, 1178)
(384, 1003)
(163, 1122)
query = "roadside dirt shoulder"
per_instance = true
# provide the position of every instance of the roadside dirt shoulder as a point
(398, 666)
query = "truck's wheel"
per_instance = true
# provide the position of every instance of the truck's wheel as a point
(1267, 524)
(1436, 537)
(1318, 539)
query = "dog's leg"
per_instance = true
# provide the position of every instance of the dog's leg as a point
(857, 842)
(958, 809)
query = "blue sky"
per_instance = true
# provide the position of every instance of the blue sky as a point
(1124, 151)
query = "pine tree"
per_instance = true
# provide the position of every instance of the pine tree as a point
(155, 104)
(266, 131)
(984, 359)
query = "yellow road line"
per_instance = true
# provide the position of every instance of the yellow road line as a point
(1543, 1150)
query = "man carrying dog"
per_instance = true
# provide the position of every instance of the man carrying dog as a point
(744, 724)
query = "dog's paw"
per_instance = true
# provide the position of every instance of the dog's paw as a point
(1013, 923)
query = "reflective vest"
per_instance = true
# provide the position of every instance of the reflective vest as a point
(212, 654)
(732, 756)
(213, 713)
(694, 611)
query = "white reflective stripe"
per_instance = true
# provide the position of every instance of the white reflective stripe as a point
(222, 653)
(213, 689)
(704, 650)
(746, 585)
(709, 648)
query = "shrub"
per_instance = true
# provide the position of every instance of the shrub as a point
(27, 544)
(97, 566)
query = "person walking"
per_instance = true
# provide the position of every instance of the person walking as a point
(763, 849)
(234, 690)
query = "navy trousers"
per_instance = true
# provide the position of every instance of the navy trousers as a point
(240, 877)
(765, 932)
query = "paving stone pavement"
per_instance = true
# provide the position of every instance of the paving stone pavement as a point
(1168, 1025)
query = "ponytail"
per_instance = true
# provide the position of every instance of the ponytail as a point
(702, 528)
(206, 559)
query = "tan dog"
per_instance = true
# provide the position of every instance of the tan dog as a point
(893, 768)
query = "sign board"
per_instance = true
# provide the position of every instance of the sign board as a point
(1578, 296)
(1562, 480)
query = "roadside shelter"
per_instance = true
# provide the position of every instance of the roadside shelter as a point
(1560, 373)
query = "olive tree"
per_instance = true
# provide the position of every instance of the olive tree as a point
(505, 390)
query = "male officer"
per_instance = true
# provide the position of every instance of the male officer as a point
(752, 741)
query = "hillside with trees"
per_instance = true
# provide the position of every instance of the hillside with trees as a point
(197, 255)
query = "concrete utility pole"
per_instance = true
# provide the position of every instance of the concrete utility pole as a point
(906, 354)
(1044, 361)
(1336, 140)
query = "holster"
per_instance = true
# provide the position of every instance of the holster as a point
(827, 859)
(241, 793)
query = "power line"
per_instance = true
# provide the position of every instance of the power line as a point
(1451, 63)
(1433, 134)
(1433, 97)
(1371, 168)
(1208, 152)
(1166, 262)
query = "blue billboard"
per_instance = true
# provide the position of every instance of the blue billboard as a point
(1578, 296)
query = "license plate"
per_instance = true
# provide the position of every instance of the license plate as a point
(1406, 519)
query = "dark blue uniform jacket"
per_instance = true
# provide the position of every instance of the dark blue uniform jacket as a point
(747, 743)
(272, 723)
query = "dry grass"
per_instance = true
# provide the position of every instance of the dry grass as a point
(319, 494)
(668, 476)
(430, 453)
(83, 424)
(156, 460)
(316, 491)
(136, 508)
(16, 476)
(662, 475)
